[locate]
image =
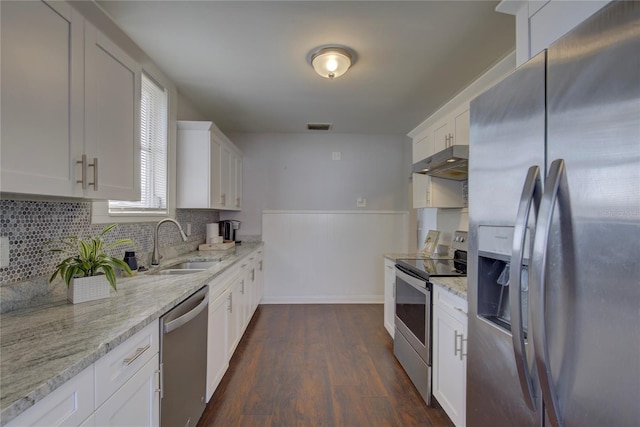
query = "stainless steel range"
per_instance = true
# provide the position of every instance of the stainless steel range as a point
(412, 342)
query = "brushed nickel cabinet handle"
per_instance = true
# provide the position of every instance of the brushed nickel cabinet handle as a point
(94, 165)
(129, 360)
(83, 174)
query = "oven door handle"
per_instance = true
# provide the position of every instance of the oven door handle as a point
(417, 282)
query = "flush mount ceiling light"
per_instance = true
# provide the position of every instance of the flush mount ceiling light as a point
(331, 62)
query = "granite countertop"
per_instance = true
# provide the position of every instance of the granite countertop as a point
(44, 347)
(456, 285)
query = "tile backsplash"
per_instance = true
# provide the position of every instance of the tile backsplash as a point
(29, 225)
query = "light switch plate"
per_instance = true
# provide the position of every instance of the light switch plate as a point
(336, 155)
(361, 202)
(4, 252)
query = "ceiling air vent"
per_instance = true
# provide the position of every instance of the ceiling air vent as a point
(319, 126)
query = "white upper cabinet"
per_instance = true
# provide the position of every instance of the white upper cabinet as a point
(112, 118)
(42, 68)
(69, 96)
(540, 23)
(423, 147)
(453, 129)
(209, 168)
(447, 127)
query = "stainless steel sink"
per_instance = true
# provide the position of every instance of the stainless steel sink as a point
(186, 267)
(170, 272)
(194, 265)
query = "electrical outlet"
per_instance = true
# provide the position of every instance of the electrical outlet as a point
(336, 155)
(4, 252)
(188, 229)
(361, 202)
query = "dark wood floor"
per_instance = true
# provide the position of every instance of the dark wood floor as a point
(317, 365)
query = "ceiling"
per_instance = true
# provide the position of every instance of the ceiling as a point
(245, 66)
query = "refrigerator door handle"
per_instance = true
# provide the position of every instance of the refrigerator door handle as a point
(531, 194)
(538, 289)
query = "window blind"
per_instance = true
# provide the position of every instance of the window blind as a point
(153, 153)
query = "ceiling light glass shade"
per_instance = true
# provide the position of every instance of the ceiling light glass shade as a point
(331, 62)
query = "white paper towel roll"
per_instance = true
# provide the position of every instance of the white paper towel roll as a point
(213, 231)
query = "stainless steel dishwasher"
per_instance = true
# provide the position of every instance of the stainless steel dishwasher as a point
(183, 361)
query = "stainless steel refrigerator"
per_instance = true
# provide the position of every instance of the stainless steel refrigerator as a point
(554, 239)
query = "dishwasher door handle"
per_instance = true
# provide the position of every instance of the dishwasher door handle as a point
(185, 318)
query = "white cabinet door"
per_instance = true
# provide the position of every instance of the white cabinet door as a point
(441, 135)
(423, 146)
(209, 168)
(217, 356)
(460, 124)
(449, 355)
(233, 307)
(42, 94)
(259, 282)
(112, 119)
(136, 403)
(69, 405)
(389, 296)
(225, 181)
(235, 181)
(121, 364)
(431, 192)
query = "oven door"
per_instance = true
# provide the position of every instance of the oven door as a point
(413, 311)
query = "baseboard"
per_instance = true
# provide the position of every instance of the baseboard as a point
(321, 299)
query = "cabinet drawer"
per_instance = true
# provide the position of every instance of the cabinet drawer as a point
(68, 405)
(115, 368)
(449, 301)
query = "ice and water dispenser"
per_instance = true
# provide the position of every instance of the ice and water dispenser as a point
(495, 245)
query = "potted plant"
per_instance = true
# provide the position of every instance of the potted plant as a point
(89, 271)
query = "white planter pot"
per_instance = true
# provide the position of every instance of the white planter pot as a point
(84, 289)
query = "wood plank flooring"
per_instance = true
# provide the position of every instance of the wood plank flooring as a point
(317, 365)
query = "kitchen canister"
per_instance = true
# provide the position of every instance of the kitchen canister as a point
(213, 231)
(130, 259)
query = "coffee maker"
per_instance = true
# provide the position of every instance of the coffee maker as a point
(228, 229)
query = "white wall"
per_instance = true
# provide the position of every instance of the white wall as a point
(320, 247)
(296, 172)
(444, 220)
(329, 257)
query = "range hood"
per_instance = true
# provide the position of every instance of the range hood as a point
(450, 163)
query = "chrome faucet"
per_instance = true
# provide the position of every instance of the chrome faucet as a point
(155, 259)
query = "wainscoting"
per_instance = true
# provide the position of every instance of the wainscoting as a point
(329, 257)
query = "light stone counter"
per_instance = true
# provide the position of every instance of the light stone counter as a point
(455, 285)
(44, 347)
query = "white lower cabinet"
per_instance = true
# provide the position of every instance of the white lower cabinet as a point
(123, 387)
(217, 357)
(389, 295)
(119, 389)
(230, 313)
(235, 307)
(68, 405)
(136, 403)
(449, 353)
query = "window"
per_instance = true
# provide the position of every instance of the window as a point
(153, 154)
